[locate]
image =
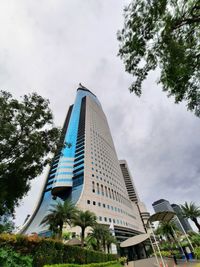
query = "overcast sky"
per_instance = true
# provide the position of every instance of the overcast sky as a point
(49, 46)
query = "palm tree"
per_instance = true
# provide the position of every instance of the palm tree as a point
(192, 212)
(103, 237)
(60, 213)
(110, 239)
(84, 219)
(167, 229)
(96, 234)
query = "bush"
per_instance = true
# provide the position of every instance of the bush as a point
(122, 260)
(197, 253)
(102, 264)
(49, 251)
(10, 258)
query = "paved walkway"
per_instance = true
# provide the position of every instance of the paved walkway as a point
(151, 262)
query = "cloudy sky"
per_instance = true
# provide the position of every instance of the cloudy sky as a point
(49, 46)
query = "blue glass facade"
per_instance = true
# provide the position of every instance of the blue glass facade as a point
(66, 176)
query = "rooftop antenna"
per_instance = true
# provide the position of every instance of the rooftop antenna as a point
(81, 86)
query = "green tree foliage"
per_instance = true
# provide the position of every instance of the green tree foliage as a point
(192, 212)
(164, 34)
(10, 258)
(101, 234)
(167, 229)
(84, 219)
(6, 224)
(27, 136)
(60, 213)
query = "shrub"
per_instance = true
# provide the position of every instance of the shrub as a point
(122, 260)
(10, 258)
(197, 252)
(102, 264)
(49, 251)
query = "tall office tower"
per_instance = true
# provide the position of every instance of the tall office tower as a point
(164, 205)
(186, 226)
(87, 172)
(132, 192)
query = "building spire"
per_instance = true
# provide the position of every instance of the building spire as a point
(81, 86)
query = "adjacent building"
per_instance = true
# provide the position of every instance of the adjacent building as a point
(164, 205)
(132, 192)
(184, 222)
(86, 171)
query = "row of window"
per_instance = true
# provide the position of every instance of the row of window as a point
(102, 156)
(108, 178)
(100, 189)
(117, 221)
(110, 207)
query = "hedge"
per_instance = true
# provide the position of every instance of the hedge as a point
(102, 264)
(50, 251)
(10, 258)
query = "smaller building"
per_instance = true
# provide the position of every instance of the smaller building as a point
(187, 227)
(132, 192)
(164, 205)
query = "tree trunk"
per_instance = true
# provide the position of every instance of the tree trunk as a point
(60, 231)
(98, 244)
(196, 223)
(104, 245)
(82, 237)
(108, 248)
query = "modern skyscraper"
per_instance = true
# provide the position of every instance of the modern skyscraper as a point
(164, 205)
(87, 172)
(186, 226)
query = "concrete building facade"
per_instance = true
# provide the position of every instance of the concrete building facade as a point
(87, 172)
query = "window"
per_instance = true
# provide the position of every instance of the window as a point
(93, 187)
(98, 191)
(106, 191)
(105, 219)
(109, 192)
(102, 191)
(88, 201)
(113, 194)
(94, 203)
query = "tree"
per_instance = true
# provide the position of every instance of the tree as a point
(53, 223)
(59, 214)
(84, 219)
(27, 136)
(6, 224)
(102, 236)
(192, 212)
(167, 229)
(164, 34)
(109, 240)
